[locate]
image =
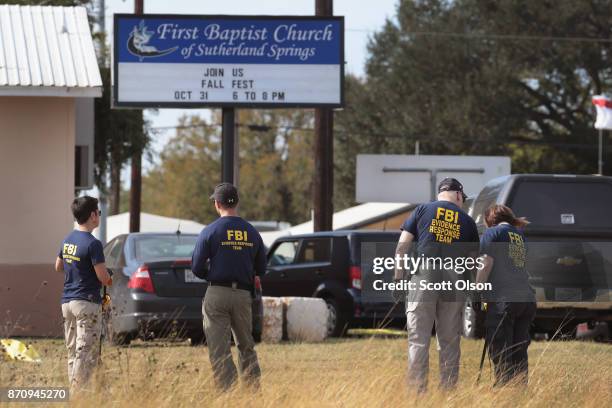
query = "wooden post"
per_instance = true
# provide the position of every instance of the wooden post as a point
(323, 206)
(136, 179)
(227, 145)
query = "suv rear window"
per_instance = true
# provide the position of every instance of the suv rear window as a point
(571, 203)
(382, 244)
(315, 250)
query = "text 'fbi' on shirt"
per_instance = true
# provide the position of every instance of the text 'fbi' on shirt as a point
(509, 277)
(80, 252)
(237, 239)
(235, 250)
(441, 222)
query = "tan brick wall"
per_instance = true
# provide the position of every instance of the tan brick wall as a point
(37, 185)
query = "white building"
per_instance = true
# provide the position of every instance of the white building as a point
(120, 224)
(377, 216)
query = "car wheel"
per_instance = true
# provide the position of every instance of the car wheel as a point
(336, 321)
(197, 339)
(473, 322)
(121, 339)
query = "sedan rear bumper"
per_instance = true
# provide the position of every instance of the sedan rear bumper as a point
(147, 312)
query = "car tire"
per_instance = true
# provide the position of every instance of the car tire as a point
(120, 339)
(337, 323)
(472, 322)
(197, 339)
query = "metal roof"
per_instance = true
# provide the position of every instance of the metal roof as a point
(347, 219)
(47, 51)
(120, 224)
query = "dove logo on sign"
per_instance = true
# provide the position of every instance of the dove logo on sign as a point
(138, 40)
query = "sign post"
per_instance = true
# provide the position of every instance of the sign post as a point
(323, 208)
(136, 165)
(227, 145)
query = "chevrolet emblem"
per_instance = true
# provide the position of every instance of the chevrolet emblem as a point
(568, 261)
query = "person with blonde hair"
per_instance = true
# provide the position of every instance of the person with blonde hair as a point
(511, 303)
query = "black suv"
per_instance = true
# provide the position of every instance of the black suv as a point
(569, 245)
(328, 265)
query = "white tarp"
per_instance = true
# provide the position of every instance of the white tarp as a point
(272, 330)
(306, 319)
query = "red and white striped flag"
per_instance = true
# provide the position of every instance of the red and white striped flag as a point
(603, 104)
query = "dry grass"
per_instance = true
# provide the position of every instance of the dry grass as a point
(346, 373)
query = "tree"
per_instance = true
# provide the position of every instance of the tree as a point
(481, 77)
(275, 150)
(118, 134)
(188, 171)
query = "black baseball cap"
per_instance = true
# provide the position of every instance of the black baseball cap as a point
(225, 194)
(451, 184)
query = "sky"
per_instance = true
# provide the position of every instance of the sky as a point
(361, 19)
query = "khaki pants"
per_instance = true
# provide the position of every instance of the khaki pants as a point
(421, 317)
(82, 327)
(228, 310)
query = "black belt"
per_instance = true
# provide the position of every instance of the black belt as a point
(234, 285)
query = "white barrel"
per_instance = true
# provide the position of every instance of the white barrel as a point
(272, 325)
(306, 319)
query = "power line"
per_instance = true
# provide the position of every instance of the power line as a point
(264, 128)
(513, 37)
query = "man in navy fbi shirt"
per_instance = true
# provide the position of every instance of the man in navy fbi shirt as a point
(237, 259)
(81, 259)
(442, 231)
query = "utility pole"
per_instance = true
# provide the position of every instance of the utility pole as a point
(136, 179)
(102, 58)
(237, 150)
(324, 151)
(227, 144)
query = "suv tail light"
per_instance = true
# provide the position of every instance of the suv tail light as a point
(257, 283)
(141, 279)
(355, 277)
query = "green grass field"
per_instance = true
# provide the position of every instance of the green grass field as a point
(358, 371)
